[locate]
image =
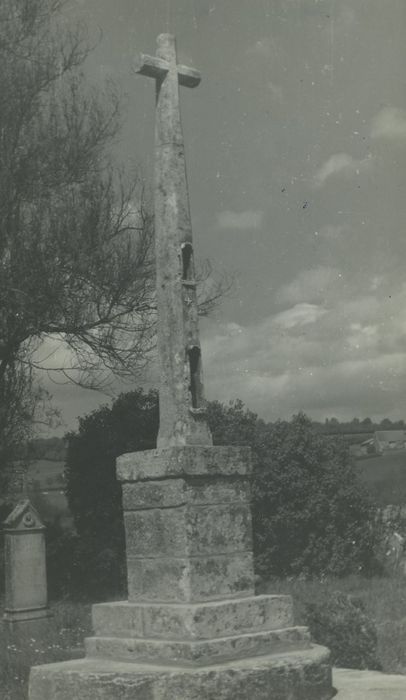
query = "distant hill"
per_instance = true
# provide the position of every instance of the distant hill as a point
(47, 448)
(45, 474)
(384, 476)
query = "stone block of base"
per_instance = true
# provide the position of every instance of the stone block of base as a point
(208, 620)
(22, 625)
(297, 675)
(28, 615)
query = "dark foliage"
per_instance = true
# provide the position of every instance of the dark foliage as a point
(341, 623)
(311, 514)
(94, 495)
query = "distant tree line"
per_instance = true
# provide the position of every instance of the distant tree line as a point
(332, 426)
(55, 448)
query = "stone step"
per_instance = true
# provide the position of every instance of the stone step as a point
(203, 652)
(193, 621)
(299, 675)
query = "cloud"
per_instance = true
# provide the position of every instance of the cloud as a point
(262, 47)
(390, 123)
(310, 285)
(265, 47)
(276, 92)
(340, 163)
(346, 358)
(249, 219)
(299, 315)
(331, 232)
(70, 399)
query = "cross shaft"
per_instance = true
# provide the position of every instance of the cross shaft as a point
(181, 396)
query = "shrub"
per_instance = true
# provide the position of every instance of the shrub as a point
(311, 513)
(340, 623)
(82, 569)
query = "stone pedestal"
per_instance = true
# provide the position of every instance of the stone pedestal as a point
(192, 628)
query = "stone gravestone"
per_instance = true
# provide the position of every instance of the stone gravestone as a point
(192, 628)
(25, 569)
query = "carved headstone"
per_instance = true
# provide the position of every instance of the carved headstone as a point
(25, 568)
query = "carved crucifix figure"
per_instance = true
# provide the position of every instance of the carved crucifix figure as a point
(181, 396)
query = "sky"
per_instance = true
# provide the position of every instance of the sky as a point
(295, 144)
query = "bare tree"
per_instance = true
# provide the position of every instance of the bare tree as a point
(75, 233)
(75, 256)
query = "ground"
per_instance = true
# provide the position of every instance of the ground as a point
(361, 685)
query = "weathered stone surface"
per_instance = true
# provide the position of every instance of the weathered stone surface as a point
(119, 618)
(156, 494)
(197, 621)
(192, 460)
(208, 651)
(288, 676)
(212, 491)
(218, 529)
(156, 533)
(190, 579)
(193, 530)
(167, 493)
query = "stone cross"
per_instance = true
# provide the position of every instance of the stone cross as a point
(181, 395)
(192, 626)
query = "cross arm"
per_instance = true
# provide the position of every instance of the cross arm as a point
(151, 66)
(189, 77)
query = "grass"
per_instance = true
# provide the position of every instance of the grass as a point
(59, 638)
(385, 477)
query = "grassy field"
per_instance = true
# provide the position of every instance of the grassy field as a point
(60, 640)
(384, 600)
(385, 477)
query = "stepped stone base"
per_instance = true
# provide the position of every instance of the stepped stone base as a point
(192, 628)
(222, 618)
(195, 633)
(295, 675)
(202, 652)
